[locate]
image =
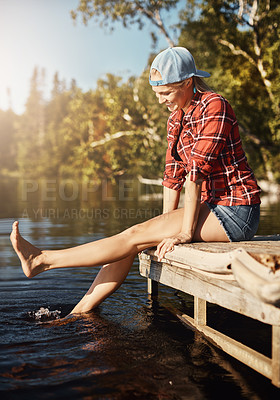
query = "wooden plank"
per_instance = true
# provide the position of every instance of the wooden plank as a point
(258, 245)
(227, 294)
(200, 311)
(211, 262)
(262, 282)
(248, 356)
(276, 355)
(175, 259)
(216, 256)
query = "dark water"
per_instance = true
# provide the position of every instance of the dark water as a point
(131, 347)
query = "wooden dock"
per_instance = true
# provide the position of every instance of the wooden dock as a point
(243, 277)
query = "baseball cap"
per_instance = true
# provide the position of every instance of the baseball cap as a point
(175, 64)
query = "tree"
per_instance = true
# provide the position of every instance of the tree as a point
(238, 42)
(55, 149)
(119, 128)
(136, 126)
(127, 12)
(113, 131)
(8, 153)
(31, 128)
(84, 120)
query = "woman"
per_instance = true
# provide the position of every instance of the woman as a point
(204, 149)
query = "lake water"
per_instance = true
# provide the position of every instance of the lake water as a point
(131, 347)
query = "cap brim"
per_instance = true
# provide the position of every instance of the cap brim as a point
(202, 74)
(156, 83)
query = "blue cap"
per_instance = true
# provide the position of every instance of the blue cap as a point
(175, 64)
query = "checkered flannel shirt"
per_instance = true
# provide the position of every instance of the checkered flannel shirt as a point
(205, 141)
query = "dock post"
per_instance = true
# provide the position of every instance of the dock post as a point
(200, 311)
(152, 288)
(276, 355)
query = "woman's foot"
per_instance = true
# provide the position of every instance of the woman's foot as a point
(30, 256)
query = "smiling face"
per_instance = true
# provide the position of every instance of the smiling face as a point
(174, 96)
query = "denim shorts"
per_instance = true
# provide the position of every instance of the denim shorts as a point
(239, 222)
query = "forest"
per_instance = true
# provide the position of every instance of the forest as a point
(119, 129)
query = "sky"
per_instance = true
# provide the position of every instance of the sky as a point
(42, 33)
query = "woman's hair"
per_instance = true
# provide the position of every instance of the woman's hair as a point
(199, 83)
(155, 75)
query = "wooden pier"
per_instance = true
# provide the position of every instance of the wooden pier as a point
(243, 277)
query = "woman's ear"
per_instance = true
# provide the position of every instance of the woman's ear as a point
(189, 82)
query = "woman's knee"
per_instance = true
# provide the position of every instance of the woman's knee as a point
(134, 230)
(152, 231)
(138, 235)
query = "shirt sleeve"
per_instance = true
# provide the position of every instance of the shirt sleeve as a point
(214, 126)
(174, 174)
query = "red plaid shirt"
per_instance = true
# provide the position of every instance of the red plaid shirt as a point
(206, 141)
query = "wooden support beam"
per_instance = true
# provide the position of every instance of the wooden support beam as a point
(227, 294)
(276, 355)
(200, 311)
(152, 288)
(248, 356)
(213, 278)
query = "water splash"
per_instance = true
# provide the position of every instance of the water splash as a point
(44, 314)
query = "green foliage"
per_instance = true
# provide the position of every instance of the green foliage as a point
(240, 47)
(116, 129)
(55, 149)
(127, 12)
(8, 153)
(120, 129)
(31, 129)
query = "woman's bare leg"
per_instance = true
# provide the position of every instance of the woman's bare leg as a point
(133, 240)
(99, 252)
(108, 280)
(111, 276)
(115, 248)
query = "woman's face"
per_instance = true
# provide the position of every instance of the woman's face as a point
(174, 98)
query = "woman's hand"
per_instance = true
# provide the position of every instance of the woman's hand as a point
(168, 244)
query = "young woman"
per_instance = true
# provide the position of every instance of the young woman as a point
(204, 151)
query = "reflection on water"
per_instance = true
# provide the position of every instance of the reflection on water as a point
(130, 347)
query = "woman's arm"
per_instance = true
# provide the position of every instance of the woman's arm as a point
(191, 212)
(170, 199)
(191, 208)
